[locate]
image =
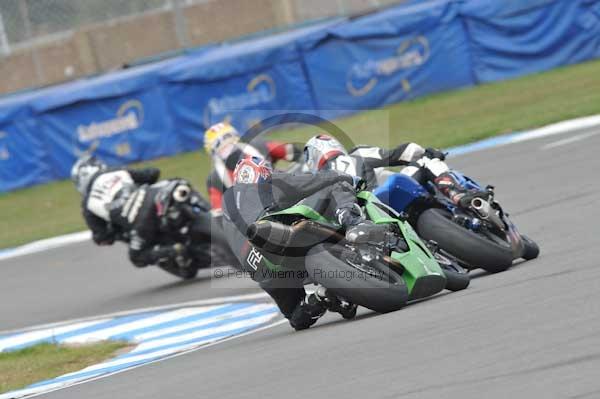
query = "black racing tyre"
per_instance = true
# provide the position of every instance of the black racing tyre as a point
(456, 281)
(473, 249)
(382, 291)
(532, 250)
(186, 273)
(457, 277)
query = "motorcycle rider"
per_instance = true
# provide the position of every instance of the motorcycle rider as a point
(259, 190)
(323, 152)
(101, 188)
(223, 143)
(129, 204)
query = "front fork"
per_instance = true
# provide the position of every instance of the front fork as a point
(446, 261)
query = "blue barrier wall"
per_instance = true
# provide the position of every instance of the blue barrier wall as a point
(387, 57)
(337, 67)
(23, 155)
(124, 115)
(511, 38)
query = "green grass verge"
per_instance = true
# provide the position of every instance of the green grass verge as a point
(440, 120)
(24, 367)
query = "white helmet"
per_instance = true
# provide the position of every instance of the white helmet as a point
(83, 171)
(320, 149)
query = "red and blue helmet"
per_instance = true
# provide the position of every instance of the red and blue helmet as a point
(252, 170)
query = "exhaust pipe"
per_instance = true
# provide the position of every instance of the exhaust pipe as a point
(296, 240)
(270, 236)
(486, 212)
(482, 207)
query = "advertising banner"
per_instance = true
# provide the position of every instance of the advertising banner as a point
(123, 118)
(387, 57)
(514, 38)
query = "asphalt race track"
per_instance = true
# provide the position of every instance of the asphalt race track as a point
(83, 280)
(533, 331)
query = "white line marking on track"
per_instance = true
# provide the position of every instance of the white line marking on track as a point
(201, 302)
(96, 336)
(162, 352)
(194, 324)
(569, 126)
(34, 392)
(46, 244)
(172, 332)
(566, 127)
(569, 140)
(33, 336)
(157, 343)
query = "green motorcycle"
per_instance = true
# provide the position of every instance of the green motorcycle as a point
(381, 271)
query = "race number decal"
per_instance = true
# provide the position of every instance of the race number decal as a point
(105, 189)
(345, 165)
(254, 258)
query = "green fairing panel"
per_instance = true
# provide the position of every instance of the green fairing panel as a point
(418, 261)
(301, 210)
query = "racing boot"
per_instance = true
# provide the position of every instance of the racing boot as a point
(333, 303)
(307, 313)
(459, 195)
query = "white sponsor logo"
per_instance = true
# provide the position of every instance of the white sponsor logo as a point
(109, 128)
(129, 117)
(260, 90)
(4, 154)
(364, 76)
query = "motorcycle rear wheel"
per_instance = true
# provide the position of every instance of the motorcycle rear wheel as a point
(475, 250)
(381, 289)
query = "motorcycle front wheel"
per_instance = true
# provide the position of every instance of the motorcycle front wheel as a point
(457, 278)
(531, 250)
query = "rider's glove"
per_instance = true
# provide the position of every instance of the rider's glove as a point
(359, 184)
(433, 153)
(349, 216)
(179, 249)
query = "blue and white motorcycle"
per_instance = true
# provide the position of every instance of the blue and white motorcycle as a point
(479, 236)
